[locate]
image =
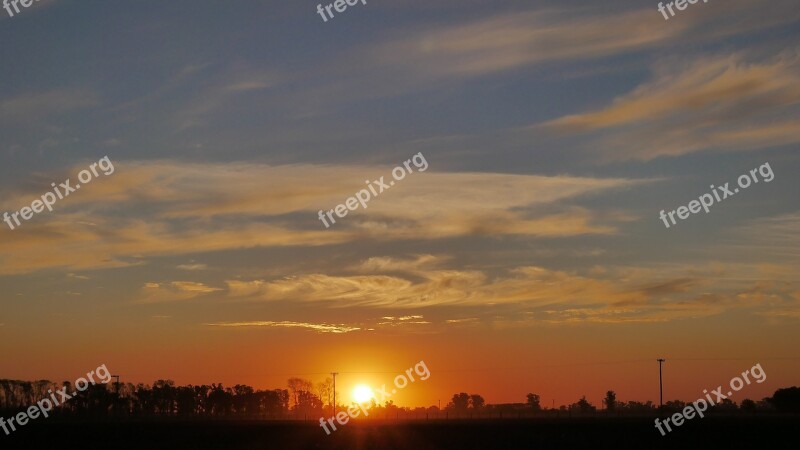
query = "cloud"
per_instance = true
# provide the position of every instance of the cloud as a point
(404, 321)
(78, 277)
(541, 295)
(166, 208)
(388, 264)
(532, 286)
(775, 236)
(468, 320)
(790, 314)
(512, 40)
(403, 318)
(192, 266)
(670, 287)
(35, 106)
(508, 41)
(238, 84)
(320, 328)
(173, 291)
(723, 103)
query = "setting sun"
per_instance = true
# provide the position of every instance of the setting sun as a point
(362, 393)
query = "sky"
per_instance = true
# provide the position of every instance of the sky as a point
(529, 256)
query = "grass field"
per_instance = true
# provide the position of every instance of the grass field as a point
(767, 433)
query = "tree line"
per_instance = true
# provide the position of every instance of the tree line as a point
(303, 399)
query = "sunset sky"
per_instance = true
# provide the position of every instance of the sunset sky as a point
(528, 257)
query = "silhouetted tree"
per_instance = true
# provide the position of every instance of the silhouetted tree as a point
(674, 406)
(460, 402)
(765, 404)
(186, 401)
(296, 386)
(786, 400)
(476, 401)
(639, 407)
(533, 402)
(164, 396)
(610, 401)
(220, 401)
(276, 402)
(748, 405)
(309, 404)
(583, 406)
(244, 400)
(727, 405)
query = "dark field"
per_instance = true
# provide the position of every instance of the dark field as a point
(767, 433)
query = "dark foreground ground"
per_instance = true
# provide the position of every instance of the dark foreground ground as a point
(596, 433)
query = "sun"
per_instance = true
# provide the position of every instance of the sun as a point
(362, 393)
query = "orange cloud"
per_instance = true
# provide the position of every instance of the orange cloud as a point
(723, 103)
(173, 291)
(541, 295)
(512, 40)
(320, 328)
(168, 208)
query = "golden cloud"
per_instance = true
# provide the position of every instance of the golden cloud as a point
(161, 208)
(722, 103)
(320, 328)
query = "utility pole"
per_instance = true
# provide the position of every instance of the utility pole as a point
(660, 383)
(334, 392)
(116, 383)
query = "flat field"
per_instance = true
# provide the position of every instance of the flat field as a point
(769, 433)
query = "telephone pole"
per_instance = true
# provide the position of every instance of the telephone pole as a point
(334, 392)
(660, 383)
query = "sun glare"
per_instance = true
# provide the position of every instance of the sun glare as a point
(362, 393)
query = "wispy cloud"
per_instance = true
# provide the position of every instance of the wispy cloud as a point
(775, 236)
(210, 99)
(320, 328)
(34, 106)
(173, 291)
(78, 277)
(719, 103)
(512, 40)
(389, 264)
(192, 208)
(517, 39)
(192, 266)
(542, 295)
(404, 321)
